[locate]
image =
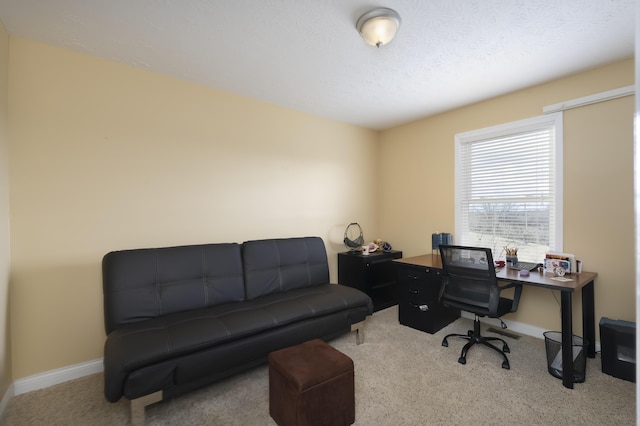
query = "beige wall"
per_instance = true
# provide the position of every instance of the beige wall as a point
(105, 156)
(5, 335)
(417, 196)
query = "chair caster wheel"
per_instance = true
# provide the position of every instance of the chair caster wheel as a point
(506, 349)
(463, 360)
(445, 343)
(506, 365)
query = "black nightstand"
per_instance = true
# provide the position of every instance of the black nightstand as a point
(374, 274)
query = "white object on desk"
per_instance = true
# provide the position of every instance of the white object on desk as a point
(561, 279)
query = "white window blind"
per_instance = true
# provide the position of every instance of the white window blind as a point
(508, 187)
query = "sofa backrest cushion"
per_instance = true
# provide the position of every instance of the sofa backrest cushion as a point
(148, 283)
(278, 265)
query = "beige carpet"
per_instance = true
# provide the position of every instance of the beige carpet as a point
(403, 377)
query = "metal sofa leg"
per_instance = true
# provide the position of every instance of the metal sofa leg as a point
(139, 404)
(359, 329)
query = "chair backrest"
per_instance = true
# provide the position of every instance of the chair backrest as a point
(469, 278)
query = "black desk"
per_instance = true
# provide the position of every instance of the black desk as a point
(583, 281)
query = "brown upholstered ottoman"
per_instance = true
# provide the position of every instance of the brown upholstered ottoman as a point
(311, 384)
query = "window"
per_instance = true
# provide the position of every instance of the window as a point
(509, 187)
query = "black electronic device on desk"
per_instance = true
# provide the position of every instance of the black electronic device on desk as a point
(372, 273)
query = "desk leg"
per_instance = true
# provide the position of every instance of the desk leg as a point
(589, 319)
(567, 339)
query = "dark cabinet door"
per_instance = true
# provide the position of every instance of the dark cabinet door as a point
(418, 304)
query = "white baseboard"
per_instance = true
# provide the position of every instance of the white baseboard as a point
(57, 376)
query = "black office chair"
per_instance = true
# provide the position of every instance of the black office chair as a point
(470, 284)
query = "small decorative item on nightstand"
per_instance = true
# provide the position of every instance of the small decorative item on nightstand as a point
(353, 238)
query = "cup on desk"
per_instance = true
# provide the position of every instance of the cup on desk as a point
(500, 263)
(512, 260)
(365, 250)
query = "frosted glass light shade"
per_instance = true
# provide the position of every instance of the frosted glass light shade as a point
(379, 26)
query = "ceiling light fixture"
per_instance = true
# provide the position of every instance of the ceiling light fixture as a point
(379, 26)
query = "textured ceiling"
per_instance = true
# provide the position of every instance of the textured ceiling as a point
(307, 54)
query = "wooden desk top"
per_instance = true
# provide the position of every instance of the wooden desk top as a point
(426, 260)
(535, 278)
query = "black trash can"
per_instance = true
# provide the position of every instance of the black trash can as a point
(553, 344)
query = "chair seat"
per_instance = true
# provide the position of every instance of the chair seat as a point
(504, 307)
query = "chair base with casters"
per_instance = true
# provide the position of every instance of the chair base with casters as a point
(474, 336)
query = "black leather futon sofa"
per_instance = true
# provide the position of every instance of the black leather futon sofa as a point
(178, 318)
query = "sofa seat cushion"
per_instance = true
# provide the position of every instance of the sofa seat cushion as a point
(140, 344)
